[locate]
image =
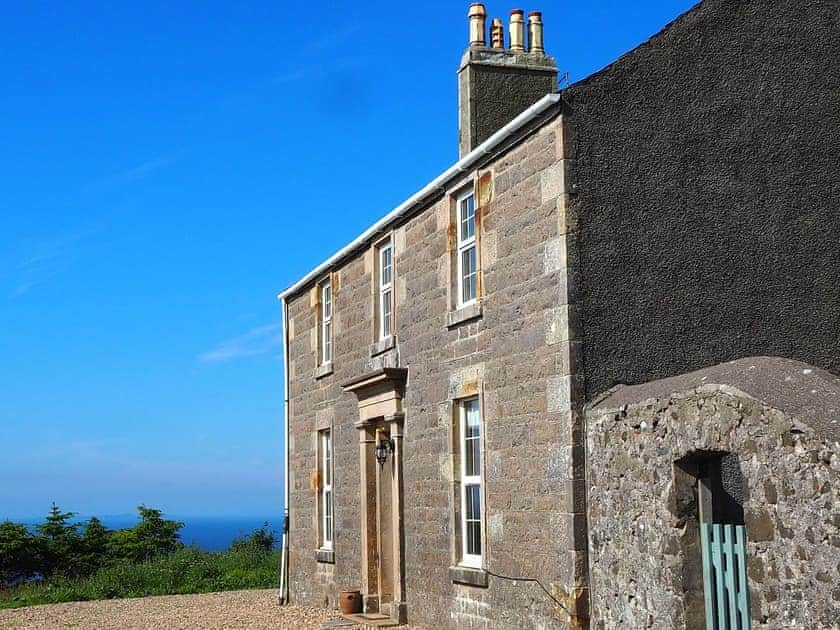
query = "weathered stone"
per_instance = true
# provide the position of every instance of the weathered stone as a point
(760, 526)
(637, 508)
(770, 492)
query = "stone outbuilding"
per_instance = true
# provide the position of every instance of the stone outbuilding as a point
(761, 435)
(587, 375)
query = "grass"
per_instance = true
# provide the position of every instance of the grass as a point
(188, 570)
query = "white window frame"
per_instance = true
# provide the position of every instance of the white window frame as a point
(327, 505)
(326, 299)
(464, 245)
(386, 294)
(469, 481)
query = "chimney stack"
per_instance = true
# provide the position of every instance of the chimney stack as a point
(477, 15)
(495, 84)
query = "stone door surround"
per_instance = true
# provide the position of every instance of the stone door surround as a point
(381, 416)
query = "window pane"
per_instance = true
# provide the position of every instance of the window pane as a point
(473, 520)
(472, 434)
(327, 460)
(327, 342)
(472, 464)
(385, 271)
(473, 503)
(326, 301)
(471, 413)
(328, 516)
(467, 218)
(386, 313)
(468, 274)
(474, 538)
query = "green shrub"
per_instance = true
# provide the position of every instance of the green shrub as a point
(261, 540)
(186, 570)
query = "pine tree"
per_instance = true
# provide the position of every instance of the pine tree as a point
(94, 546)
(59, 543)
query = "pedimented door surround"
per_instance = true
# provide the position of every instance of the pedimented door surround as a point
(380, 396)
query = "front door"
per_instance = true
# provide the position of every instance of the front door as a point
(384, 542)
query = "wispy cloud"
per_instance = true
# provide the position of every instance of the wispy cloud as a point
(307, 63)
(37, 261)
(144, 168)
(137, 172)
(259, 340)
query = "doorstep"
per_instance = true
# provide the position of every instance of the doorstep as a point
(377, 620)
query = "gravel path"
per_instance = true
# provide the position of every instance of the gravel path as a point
(233, 609)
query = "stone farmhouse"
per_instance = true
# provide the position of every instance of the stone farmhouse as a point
(588, 375)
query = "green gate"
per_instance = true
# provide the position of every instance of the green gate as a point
(725, 576)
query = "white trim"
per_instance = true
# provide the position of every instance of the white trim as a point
(465, 244)
(497, 142)
(326, 302)
(470, 481)
(327, 528)
(386, 293)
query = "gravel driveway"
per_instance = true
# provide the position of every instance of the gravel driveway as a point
(233, 609)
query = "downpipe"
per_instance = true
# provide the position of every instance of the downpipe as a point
(284, 549)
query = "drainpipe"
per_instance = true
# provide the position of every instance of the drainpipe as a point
(284, 552)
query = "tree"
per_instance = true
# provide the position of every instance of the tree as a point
(18, 554)
(59, 543)
(94, 546)
(261, 540)
(152, 536)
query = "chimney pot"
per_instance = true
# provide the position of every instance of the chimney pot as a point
(517, 30)
(535, 33)
(497, 34)
(477, 16)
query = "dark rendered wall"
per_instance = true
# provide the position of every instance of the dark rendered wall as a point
(708, 181)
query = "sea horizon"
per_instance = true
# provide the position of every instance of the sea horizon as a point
(208, 532)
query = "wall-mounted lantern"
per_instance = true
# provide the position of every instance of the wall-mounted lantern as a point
(383, 446)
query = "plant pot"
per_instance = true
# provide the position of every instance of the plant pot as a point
(350, 601)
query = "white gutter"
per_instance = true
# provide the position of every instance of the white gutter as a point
(436, 186)
(284, 550)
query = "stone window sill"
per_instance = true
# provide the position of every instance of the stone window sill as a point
(325, 555)
(383, 345)
(463, 314)
(323, 370)
(468, 576)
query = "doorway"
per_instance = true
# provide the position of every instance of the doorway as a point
(380, 428)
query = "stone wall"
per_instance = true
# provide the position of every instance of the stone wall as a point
(519, 354)
(646, 566)
(708, 188)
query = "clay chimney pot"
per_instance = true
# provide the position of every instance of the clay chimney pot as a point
(477, 16)
(517, 30)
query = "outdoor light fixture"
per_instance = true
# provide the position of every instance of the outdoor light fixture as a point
(383, 447)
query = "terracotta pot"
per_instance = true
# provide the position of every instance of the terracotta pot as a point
(350, 601)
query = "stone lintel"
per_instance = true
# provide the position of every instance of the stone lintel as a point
(379, 393)
(395, 376)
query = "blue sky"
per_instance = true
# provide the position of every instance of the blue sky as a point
(165, 169)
